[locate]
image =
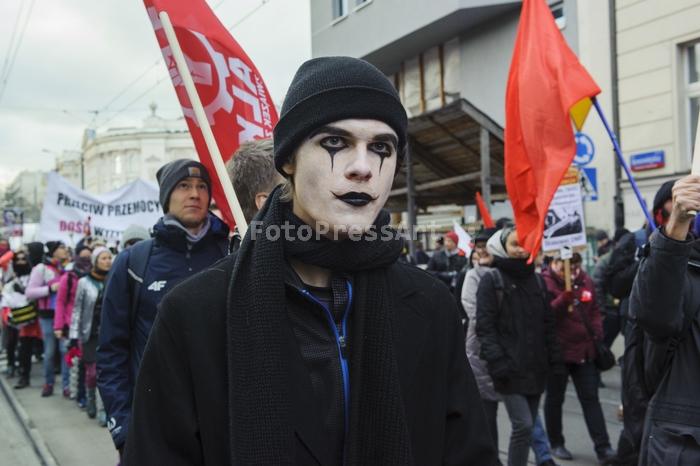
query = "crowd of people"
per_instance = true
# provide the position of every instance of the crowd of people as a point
(196, 346)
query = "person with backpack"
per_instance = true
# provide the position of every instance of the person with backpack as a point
(481, 265)
(579, 325)
(65, 300)
(515, 326)
(43, 288)
(665, 301)
(186, 240)
(85, 322)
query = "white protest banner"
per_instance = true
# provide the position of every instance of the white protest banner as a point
(564, 224)
(69, 212)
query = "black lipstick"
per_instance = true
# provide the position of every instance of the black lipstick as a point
(355, 199)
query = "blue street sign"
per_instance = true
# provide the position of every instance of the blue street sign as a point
(589, 184)
(647, 161)
(585, 149)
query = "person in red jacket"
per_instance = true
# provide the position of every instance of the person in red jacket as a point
(579, 351)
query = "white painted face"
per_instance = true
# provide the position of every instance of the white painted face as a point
(343, 173)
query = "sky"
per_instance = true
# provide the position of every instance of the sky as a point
(79, 57)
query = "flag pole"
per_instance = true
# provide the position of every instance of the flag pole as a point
(203, 123)
(623, 164)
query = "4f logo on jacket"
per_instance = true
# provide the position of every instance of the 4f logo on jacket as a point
(157, 285)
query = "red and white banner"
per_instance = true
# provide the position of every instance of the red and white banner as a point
(234, 96)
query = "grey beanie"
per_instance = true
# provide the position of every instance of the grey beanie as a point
(133, 232)
(170, 174)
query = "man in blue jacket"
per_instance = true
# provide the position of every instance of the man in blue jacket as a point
(186, 240)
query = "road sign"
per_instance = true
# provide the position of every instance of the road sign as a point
(585, 149)
(589, 184)
(648, 161)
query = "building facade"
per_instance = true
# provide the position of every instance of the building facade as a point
(26, 192)
(445, 50)
(118, 156)
(69, 166)
(658, 66)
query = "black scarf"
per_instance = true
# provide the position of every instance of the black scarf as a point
(516, 268)
(257, 328)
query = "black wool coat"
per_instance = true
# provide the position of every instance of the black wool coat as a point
(180, 411)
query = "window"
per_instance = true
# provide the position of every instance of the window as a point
(558, 13)
(692, 91)
(340, 8)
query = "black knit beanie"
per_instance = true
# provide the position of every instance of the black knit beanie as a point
(51, 247)
(170, 174)
(330, 89)
(664, 193)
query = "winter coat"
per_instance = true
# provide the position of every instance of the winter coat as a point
(13, 299)
(446, 266)
(576, 344)
(473, 345)
(122, 339)
(65, 300)
(191, 425)
(39, 288)
(85, 300)
(518, 338)
(667, 288)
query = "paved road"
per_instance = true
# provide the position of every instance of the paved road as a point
(15, 445)
(72, 438)
(75, 440)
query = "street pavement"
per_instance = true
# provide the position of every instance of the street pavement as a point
(72, 439)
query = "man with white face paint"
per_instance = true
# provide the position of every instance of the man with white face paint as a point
(312, 345)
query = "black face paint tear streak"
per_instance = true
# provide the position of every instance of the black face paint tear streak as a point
(331, 154)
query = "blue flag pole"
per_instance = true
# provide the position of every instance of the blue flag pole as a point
(621, 159)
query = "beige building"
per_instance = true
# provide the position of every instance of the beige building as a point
(118, 156)
(68, 165)
(658, 60)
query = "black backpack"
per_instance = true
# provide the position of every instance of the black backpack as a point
(501, 290)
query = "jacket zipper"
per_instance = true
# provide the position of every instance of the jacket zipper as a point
(340, 335)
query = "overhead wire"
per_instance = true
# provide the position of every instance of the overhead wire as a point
(15, 28)
(8, 71)
(131, 84)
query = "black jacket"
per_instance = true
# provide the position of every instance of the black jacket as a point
(447, 266)
(665, 301)
(518, 336)
(181, 399)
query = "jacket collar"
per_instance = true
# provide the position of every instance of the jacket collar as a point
(176, 237)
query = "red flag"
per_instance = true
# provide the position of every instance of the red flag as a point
(545, 81)
(484, 211)
(233, 94)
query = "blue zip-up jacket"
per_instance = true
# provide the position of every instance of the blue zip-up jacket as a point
(122, 339)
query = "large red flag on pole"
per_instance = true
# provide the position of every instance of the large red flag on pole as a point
(231, 96)
(545, 82)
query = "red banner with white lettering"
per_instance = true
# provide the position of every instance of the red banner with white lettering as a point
(235, 99)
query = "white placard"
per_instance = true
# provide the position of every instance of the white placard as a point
(565, 225)
(69, 212)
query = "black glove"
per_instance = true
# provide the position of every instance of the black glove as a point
(64, 331)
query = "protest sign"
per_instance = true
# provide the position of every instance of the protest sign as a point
(564, 224)
(70, 213)
(12, 222)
